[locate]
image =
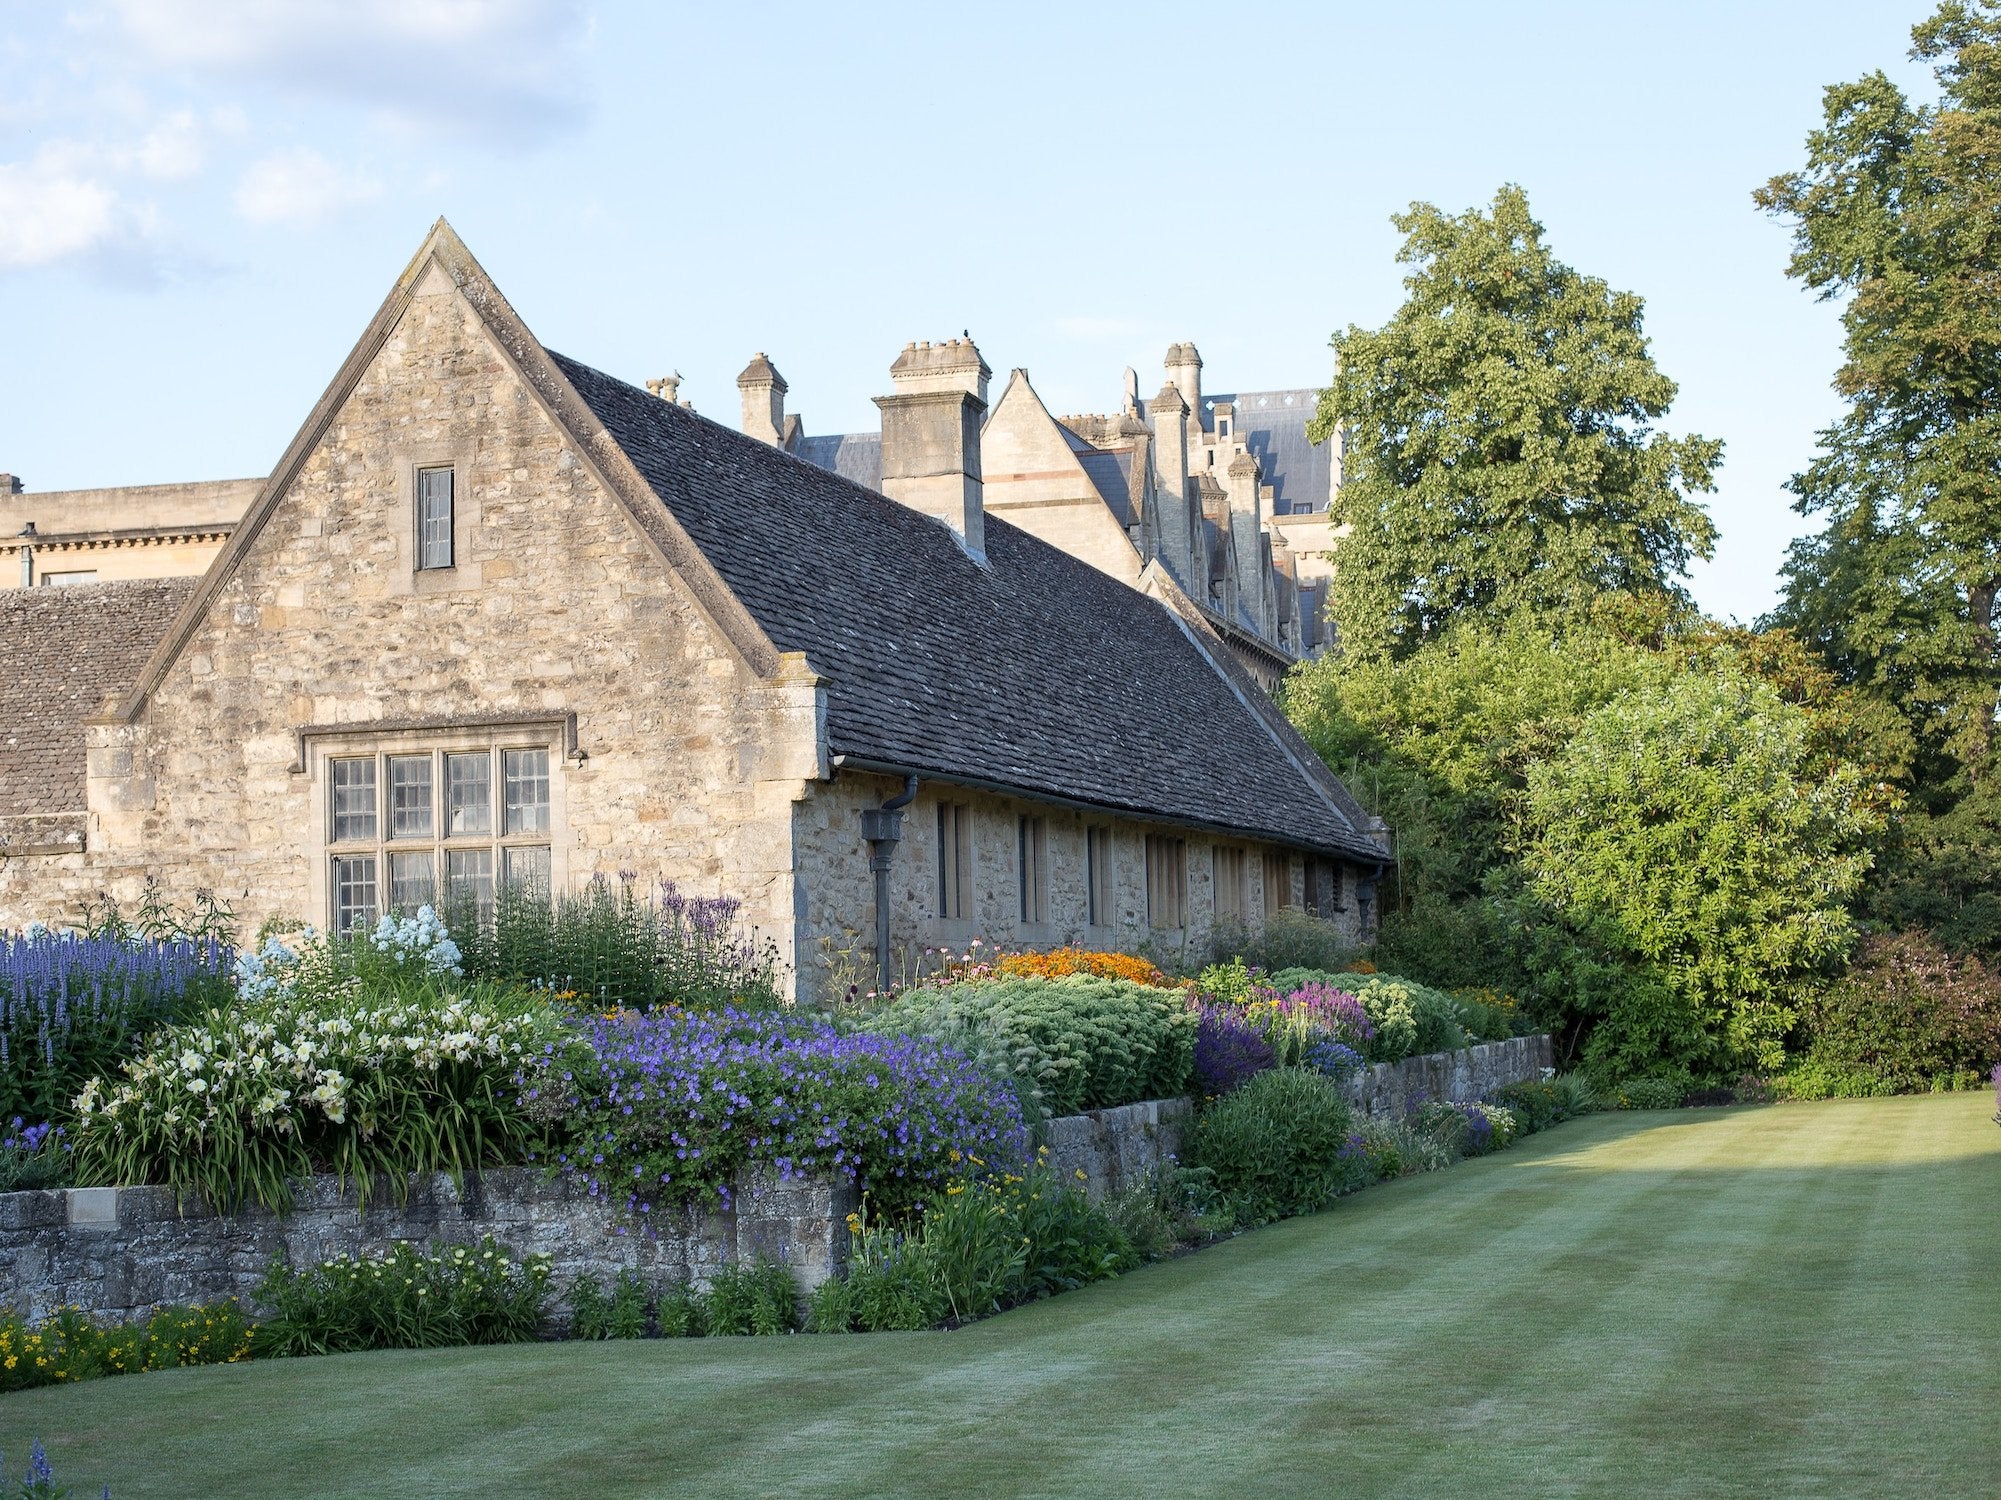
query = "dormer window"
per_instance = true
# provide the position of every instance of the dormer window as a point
(434, 517)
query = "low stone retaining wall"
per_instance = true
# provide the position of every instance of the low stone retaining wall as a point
(1116, 1147)
(1456, 1077)
(122, 1252)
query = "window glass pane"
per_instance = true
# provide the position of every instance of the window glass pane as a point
(409, 796)
(413, 880)
(353, 799)
(527, 775)
(526, 870)
(434, 518)
(1098, 876)
(469, 779)
(354, 893)
(469, 874)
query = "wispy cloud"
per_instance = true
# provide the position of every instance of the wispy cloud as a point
(501, 72)
(302, 188)
(50, 211)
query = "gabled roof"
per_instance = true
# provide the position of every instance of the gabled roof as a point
(1035, 672)
(63, 651)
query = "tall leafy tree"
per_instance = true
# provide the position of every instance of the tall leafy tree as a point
(1898, 213)
(1501, 459)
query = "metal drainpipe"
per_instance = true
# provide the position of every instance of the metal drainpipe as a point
(28, 535)
(1365, 897)
(883, 827)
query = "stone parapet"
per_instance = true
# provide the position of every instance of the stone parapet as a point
(122, 1252)
(1115, 1148)
(1395, 1089)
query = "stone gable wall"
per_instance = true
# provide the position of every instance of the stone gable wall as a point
(558, 606)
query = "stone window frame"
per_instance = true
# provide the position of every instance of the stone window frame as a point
(323, 747)
(1230, 876)
(451, 538)
(1101, 885)
(465, 572)
(956, 891)
(1032, 869)
(1166, 882)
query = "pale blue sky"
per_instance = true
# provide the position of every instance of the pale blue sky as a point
(202, 201)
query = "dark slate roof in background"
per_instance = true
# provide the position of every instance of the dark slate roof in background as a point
(62, 652)
(855, 456)
(1038, 672)
(1272, 425)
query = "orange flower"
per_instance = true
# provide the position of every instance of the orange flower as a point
(1061, 961)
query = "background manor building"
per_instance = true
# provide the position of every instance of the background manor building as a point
(495, 616)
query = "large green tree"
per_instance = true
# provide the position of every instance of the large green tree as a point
(1898, 212)
(1500, 457)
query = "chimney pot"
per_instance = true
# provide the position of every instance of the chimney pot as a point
(931, 436)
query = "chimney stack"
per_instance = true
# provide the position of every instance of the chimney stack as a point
(1170, 479)
(668, 389)
(931, 436)
(10, 484)
(763, 391)
(1184, 373)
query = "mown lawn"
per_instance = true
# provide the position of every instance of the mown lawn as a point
(1801, 1299)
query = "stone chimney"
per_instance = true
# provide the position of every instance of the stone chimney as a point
(1170, 480)
(1247, 529)
(10, 484)
(668, 389)
(763, 391)
(1184, 373)
(931, 436)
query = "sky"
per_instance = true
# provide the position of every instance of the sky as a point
(202, 202)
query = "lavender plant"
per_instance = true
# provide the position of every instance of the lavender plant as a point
(74, 1006)
(33, 1156)
(669, 1107)
(1229, 1051)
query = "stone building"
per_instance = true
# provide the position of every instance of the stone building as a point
(497, 615)
(1224, 492)
(99, 536)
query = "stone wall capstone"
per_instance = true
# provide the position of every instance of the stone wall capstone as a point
(120, 1253)
(1395, 1089)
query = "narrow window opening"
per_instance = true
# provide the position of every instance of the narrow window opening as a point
(1098, 876)
(1032, 865)
(434, 518)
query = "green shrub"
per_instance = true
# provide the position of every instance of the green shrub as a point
(404, 1299)
(758, 1298)
(679, 1314)
(1067, 1045)
(1274, 1144)
(619, 1315)
(1295, 939)
(1661, 1090)
(1411, 1019)
(69, 1345)
(1908, 1016)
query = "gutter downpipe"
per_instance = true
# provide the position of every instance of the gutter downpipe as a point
(882, 827)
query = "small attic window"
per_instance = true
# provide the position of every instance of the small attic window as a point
(434, 517)
(1222, 426)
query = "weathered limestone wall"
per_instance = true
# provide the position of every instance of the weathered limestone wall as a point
(1394, 1089)
(837, 894)
(1118, 1148)
(689, 761)
(122, 1252)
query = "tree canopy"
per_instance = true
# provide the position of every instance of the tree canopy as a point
(1898, 212)
(1500, 456)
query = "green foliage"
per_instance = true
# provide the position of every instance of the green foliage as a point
(608, 946)
(1411, 1019)
(619, 1315)
(1664, 1089)
(1500, 458)
(1274, 1144)
(1908, 1017)
(1898, 211)
(1538, 1104)
(1681, 827)
(1067, 1045)
(678, 1314)
(989, 1242)
(756, 1298)
(69, 1345)
(404, 1299)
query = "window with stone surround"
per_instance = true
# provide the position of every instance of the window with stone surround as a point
(407, 827)
(434, 517)
(1098, 888)
(1323, 888)
(1278, 879)
(955, 861)
(1032, 865)
(1232, 884)
(1166, 880)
